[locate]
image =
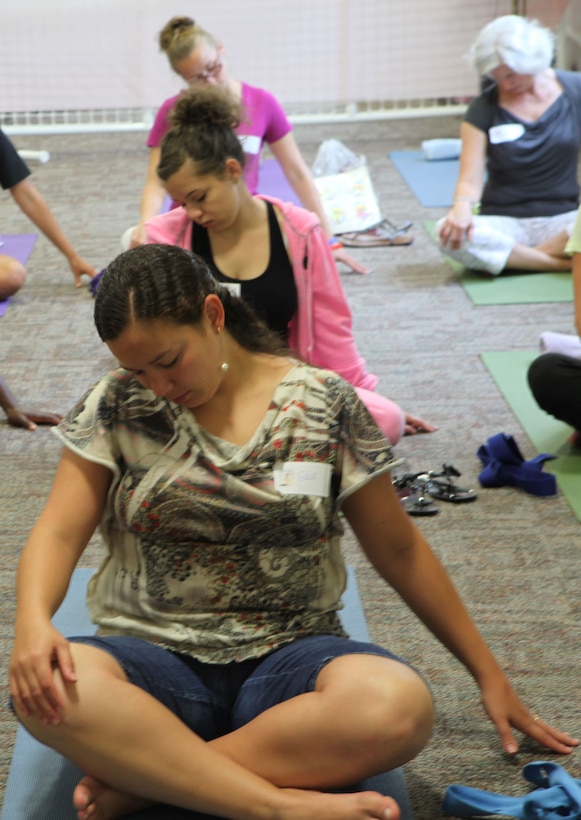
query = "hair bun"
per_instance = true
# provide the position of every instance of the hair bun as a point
(177, 23)
(173, 29)
(206, 106)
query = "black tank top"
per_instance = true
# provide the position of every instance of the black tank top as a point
(273, 294)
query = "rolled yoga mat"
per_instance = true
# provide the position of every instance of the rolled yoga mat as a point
(41, 782)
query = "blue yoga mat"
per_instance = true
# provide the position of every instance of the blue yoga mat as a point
(41, 782)
(431, 181)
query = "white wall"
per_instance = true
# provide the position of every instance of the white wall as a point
(92, 54)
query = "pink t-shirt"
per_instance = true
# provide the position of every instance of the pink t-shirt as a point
(264, 121)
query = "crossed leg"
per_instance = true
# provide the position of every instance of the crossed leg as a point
(547, 256)
(366, 715)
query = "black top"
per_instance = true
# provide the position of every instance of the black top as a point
(531, 166)
(13, 169)
(273, 294)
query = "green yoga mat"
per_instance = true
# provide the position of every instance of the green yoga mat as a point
(510, 289)
(509, 371)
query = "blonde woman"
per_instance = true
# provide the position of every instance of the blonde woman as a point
(200, 59)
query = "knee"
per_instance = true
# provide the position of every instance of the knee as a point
(393, 713)
(95, 671)
(409, 713)
(12, 276)
(544, 376)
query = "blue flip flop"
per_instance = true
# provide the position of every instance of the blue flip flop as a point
(504, 465)
(559, 797)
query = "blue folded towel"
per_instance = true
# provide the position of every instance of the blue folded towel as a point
(504, 465)
(558, 798)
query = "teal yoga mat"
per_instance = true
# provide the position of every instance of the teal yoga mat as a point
(509, 289)
(41, 782)
(509, 370)
(431, 181)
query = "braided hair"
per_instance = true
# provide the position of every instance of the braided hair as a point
(164, 282)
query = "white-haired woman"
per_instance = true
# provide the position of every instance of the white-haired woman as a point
(520, 148)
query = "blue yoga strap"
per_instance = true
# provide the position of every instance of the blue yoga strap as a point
(504, 465)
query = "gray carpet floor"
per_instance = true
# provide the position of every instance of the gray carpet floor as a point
(514, 557)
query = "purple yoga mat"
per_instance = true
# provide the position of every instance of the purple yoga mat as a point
(19, 246)
(272, 182)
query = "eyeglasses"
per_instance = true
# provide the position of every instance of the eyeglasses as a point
(211, 71)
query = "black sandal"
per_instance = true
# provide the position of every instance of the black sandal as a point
(413, 496)
(440, 485)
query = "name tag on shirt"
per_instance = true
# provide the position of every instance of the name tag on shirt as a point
(250, 143)
(235, 288)
(509, 132)
(303, 478)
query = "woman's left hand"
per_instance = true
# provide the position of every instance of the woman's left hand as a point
(414, 424)
(508, 712)
(341, 255)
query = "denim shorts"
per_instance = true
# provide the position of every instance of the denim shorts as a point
(213, 699)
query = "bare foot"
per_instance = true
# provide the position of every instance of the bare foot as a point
(351, 806)
(555, 245)
(94, 800)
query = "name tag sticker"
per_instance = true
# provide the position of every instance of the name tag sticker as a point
(303, 478)
(250, 143)
(235, 288)
(509, 132)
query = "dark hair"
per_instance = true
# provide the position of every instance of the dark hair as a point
(203, 122)
(153, 282)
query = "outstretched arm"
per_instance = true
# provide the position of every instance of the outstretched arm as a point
(28, 198)
(457, 225)
(71, 514)
(23, 418)
(300, 178)
(403, 558)
(152, 198)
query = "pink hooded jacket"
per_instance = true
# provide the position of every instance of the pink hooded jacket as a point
(321, 330)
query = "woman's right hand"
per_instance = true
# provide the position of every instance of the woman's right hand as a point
(458, 226)
(38, 650)
(29, 419)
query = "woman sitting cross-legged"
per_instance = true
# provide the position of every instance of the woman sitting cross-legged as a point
(220, 679)
(272, 253)
(520, 149)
